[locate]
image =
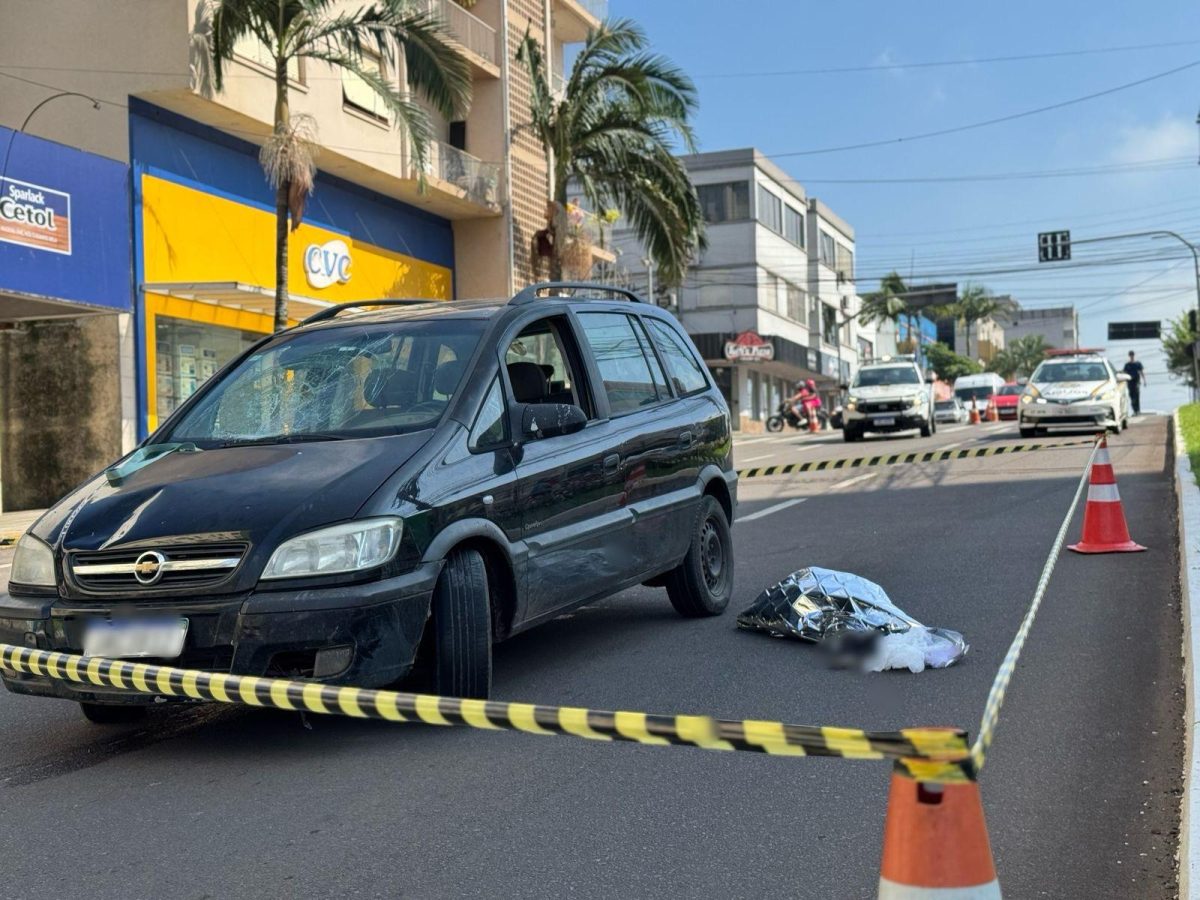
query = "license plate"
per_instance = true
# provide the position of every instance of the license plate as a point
(134, 638)
(886, 420)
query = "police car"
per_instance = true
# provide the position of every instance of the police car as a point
(1076, 389)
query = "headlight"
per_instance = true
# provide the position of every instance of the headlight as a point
(33, 563)
(851, 402)
(342, 548)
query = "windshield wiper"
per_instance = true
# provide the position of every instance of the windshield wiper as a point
(303, 437)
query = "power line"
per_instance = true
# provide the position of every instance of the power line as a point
(934, 64)
(941, 132)
(1165, 164)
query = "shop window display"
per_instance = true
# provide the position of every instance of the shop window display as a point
(189, 353)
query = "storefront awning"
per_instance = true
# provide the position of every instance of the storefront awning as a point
(17, 306)
(236, 294)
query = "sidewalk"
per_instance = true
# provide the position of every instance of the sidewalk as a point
(14, 524)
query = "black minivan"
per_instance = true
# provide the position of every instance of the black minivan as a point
(388, 488)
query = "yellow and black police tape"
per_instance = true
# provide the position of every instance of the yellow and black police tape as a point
(930, 754)
(894, 459)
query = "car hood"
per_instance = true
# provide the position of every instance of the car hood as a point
(260, 494)
(1068, 390)
(887, 391)
(1007, 399)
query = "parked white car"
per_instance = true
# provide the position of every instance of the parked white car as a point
(1074, 391)
(951, 411)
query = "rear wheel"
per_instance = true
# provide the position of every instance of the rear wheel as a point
(702, 584)
(461, 626)
(112, 714)
(775, 423)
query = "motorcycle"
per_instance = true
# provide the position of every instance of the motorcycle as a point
(786, 415)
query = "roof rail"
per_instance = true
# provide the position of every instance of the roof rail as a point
(332, 311)
(530, 294)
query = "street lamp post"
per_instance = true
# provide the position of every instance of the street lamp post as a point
(1164, 233)
(649, 264)
(13, 135)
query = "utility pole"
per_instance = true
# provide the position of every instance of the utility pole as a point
(649, 264)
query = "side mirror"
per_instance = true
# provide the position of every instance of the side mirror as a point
(543, 420)
(930, 377)
(1122, 376)
(844, 386)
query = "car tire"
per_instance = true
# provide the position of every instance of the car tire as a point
(927, 428)
(1027, 432)
(774, 424)
(849, 435)
(702, 584)
(461, 628)
(112, 714)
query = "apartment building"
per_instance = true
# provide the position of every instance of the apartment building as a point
(768, 303)
(129, 82)
(1058, 326)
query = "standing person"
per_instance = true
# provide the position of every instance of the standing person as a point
(1137, 377)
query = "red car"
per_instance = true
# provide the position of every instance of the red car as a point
(1007, 399)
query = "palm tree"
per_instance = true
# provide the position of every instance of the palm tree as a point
(327, 31)
(887, 304)
(976, 303)
(612, 137)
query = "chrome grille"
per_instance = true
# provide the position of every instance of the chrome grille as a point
(194, 565)
(876, 406)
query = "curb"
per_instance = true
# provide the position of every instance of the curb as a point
(1189, 582)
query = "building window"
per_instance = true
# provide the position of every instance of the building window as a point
(726, 202)
(187, 354)
(358, 94)
(829, 327)
(793, 226)
(845, 263)
(814, 322)
(770, 210)
(828, 250)
(795, 303)
(866, 350)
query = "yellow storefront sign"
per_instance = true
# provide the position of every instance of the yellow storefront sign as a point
(192, 237)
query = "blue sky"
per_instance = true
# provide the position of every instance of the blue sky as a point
(944, 230)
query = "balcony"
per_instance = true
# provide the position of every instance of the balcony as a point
(473, 35)
(573, 19)
(479, 181)
(558, 85)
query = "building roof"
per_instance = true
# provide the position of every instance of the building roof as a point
(745, 156)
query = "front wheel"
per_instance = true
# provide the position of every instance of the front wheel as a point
(927, 428)
(461, 624)
(702, 584)
(1028, 432)
(849, 435)
(112, 714)
(775, 423)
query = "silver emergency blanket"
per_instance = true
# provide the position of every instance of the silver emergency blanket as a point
(854, 619)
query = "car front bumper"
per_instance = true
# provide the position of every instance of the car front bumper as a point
(913, 417)
(375, 628)
(1066, 415)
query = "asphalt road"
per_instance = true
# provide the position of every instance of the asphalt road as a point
(1081, 789)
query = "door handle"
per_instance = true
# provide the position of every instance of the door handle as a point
(611, 461)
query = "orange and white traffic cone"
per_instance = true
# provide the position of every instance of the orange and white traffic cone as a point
(813, 425)
(935, 843)
(993, 414)
(975, 420)
(1104, 528)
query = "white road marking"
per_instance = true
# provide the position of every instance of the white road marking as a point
(778, 507)
(849, 481)
(952, 446)
(753, 458)
(6, 566)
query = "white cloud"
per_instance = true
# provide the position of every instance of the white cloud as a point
(1168, 138)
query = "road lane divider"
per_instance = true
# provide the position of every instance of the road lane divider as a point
(896, 459)
(919, 750)
(995, 698)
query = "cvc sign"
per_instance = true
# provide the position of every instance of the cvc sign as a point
(326, 264)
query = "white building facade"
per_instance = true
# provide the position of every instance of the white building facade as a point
(768, 304)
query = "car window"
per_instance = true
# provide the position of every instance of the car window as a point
(656, 369)
(1010, 390)
(490, 426)
(624, 371)
(343, 382)
(540, 367)
(886, 375)
(686, 373)
(1058, 372)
